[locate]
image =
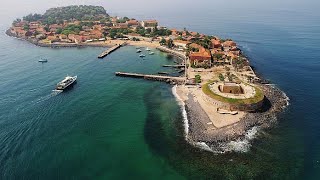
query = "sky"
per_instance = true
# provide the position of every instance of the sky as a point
(164, 9)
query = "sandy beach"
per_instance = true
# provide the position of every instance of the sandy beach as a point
(153, 44)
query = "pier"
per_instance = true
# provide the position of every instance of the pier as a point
(110, 50)
(168, 79)
(175, 66)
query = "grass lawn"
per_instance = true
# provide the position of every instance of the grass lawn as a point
(257, 98)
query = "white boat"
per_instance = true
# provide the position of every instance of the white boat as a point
(147, 49)
(66, 82)
(139, 51)
(142, 55)
(151, 53)
(42, 60)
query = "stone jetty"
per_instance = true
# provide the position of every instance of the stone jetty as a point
(168, 79)
(110, 50)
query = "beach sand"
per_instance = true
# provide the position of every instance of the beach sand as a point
(218, 120)
(128, 42)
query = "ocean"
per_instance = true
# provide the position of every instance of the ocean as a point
(108, 127)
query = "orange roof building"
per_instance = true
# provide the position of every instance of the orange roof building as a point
(215, 43)
(200, 58)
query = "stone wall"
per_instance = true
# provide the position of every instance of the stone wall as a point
(235, 107)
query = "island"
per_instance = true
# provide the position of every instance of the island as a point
(221, 93)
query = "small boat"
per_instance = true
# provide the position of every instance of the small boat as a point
(151, 53)
(66, 82)
(147, 49)
(165, 73)
(142, 55)
(139, 51)
(42, 60)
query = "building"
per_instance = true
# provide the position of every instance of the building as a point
(215, 43)
(132, 22)
(201, 58)
(181, 44)
(232, 88)
(149, 23)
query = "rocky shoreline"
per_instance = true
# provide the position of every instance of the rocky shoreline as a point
(275, 102)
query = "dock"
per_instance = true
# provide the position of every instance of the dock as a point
(168, 79)
(175, 66)
(110, 50)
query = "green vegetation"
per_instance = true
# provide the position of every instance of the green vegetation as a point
(221, 77)
(259, 96)
(163, 41)
(153, 33)
(217, 56)
(32, 17)
(205, 42)
(77, 12)
(70, 29)
(59, 14)
(119, 33)
(198, 78)
(170, 43)
(26, 27)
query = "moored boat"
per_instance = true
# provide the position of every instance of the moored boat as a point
(139, 51)
(142, 55)
(151, 53)
(66, 82)
(147, 49)
(42, 60)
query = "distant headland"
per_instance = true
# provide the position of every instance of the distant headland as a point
(223, 96)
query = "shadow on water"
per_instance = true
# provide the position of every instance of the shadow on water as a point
(163, 132)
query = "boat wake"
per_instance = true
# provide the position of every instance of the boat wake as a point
(44, 98)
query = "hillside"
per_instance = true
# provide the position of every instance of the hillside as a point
(58, 14)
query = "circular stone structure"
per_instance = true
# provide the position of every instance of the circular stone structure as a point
(233, 90)
(234, 97)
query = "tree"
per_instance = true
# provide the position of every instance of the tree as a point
(59, 31)
(46, 28)
(163, 41)
(198, 78)
(26, 27)
(170, 43)
(221, 77)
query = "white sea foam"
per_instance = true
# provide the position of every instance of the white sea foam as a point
(204, 146)
(183, 110)
(286, 98)
(242, 145)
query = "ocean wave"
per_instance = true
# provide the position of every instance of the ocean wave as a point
(183, 110)
(241, 145)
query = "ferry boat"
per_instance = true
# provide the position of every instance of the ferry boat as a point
(66, 82)
(42, 60)
(142, 55)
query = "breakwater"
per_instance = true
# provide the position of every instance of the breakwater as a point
(110, 50)
(168, 79)
(174, 66)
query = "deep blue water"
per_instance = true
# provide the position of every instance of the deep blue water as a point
(114, 128)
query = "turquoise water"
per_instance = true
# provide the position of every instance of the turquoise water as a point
(109, 127)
